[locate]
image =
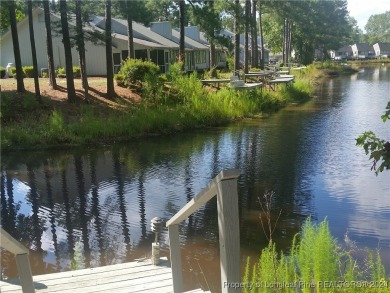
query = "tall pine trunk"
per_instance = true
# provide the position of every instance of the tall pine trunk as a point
(262, 60)
(15, 41)
(81, 48)
(182, 35)
(255, 51)
(130, 31)
(49, 46)
(110, 66)
(68, 52)
(246, 35)
(213, 62)
(236, 38)
(33, 50)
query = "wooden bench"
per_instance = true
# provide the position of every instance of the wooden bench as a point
(22, 261)
(274, 82)
(214, 81)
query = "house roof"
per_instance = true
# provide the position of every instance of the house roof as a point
(345, 49)
(363, 47)
(384, 46)
(188, 42)
(144, 33)
(141, 42)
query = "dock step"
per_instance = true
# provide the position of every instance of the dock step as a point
(136, 276)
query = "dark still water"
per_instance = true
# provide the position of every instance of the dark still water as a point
(98, 202)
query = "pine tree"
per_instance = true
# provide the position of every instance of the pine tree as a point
(68, 53)
(49, 45)
(110, 66)
(33, 50)
(18, 62)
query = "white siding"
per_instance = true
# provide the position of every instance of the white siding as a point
(95, 54)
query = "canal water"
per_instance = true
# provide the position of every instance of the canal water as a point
(92, 206)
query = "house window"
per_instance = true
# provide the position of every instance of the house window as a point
(200, 57)
(141, 54)
(117, 62)
(125, 54)
(174, 56)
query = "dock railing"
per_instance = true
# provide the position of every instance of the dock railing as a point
(224, 186)
(22, 261)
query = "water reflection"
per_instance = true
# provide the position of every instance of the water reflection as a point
(104, 198)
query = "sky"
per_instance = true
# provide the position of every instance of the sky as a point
(361, 10)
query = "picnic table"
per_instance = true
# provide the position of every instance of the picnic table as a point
(247, 86)
(215, 81)
(261, 75)
(274, 82)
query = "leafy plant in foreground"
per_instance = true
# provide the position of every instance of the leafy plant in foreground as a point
(379, 149)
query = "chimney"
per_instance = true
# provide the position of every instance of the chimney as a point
(163, 28)
(192, 32)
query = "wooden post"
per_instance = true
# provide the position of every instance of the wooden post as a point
(229, 234)
(25, 276)
(23, 263)
(174, 243)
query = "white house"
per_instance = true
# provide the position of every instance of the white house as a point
(362, 51)
(342, 53)
(95, 54)
(196, 54)
(382, 50)
(231, 36)
(194, 33)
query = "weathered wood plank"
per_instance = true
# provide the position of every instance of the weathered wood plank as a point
(205, 195)
(24, 270)
(136, 277)
(11, 244)
(174, 244)
(229, 234)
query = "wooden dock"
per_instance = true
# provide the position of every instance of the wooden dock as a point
(137, 276)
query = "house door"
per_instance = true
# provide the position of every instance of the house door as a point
(117, 62)
(157, 57)
(166, 61)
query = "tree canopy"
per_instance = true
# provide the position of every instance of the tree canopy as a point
(378, 28)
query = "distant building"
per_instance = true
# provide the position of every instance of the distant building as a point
(363, 51)
(342, 53)
(231, 35)
(382, 50)
(159, 44)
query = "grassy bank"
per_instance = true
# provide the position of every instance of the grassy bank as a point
(316, 263)
(27, 124)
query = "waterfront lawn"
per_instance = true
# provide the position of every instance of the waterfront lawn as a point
(55, 123)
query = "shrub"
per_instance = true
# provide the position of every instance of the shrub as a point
(76, 72)
(12, 71)
(174, 71)
(2, 72)
(314, 260)
(61, 72)
(135, 70)
(230, 63)
(28, 71)
(119, 79)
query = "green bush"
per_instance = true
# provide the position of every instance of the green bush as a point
(12, 71)
(174, 71)
(28, 71)
(119, 79)
(314, 261)
(135, 70)
(2, 72)
(76, 72)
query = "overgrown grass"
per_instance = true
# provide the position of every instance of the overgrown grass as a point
(316, 263)
(187, 105)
